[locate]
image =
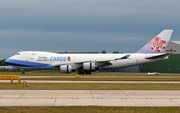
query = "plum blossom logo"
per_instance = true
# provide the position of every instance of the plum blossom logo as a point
(157, 44)
(68, 58)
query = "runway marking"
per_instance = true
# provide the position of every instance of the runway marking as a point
(173, 98)
(148, 98)
(73, 98)
(123, 98)
(49, 98)
(23, 98)
(83, 98)
(99, 98)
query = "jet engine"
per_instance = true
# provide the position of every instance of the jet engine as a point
(65, 69)
(89, 66)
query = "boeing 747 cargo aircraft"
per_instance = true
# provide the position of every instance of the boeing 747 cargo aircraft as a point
(86, 63)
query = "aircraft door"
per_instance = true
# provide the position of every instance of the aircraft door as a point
(32, 57)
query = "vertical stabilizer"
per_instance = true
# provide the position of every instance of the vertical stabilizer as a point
(158, 44)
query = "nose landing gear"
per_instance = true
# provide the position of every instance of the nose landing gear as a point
(22, 71)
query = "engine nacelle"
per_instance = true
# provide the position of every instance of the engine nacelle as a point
(89, 66)
(65, 69)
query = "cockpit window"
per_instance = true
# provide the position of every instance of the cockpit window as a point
(17, 53)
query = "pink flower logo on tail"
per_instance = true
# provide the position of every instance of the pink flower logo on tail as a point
(157, 44)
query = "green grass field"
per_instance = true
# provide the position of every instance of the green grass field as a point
(57, 73)
(97, 76)
(91, 86)
(89, 109)
(94, 86)
(106, 79)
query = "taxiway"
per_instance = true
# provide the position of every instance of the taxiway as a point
(89, 97)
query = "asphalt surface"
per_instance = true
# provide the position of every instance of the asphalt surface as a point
(89, 97)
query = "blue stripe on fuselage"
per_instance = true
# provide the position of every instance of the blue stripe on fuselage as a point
(21, 63)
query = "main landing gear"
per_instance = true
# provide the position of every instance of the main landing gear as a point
(84, 72)
(88, 72)
(81, 71)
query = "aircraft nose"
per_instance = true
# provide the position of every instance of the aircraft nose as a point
(7, 61)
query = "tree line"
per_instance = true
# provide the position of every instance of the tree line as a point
(2, 63)
(115, 52)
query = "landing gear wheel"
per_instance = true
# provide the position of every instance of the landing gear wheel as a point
(88, 72)
(80, 70)
(23, 72)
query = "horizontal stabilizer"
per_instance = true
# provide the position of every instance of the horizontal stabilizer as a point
(158, 56)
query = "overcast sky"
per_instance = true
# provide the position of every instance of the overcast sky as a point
(84, 25)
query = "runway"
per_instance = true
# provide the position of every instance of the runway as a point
(89, 97)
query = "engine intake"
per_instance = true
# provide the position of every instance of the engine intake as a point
(65, 69)
(89, 66)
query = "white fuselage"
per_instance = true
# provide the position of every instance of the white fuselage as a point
(48, 60)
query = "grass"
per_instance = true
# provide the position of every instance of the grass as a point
(91, 86)
(94, 86)
(89, 109)
(97, 76)
(56, 73)
(106, 79)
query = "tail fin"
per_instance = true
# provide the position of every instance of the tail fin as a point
(158, 44)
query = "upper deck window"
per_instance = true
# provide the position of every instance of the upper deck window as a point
(17, 53)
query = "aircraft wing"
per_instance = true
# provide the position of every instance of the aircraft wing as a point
(102, 62)
(158, 56)
(124, 57)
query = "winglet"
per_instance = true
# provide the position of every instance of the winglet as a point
(158, 44)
